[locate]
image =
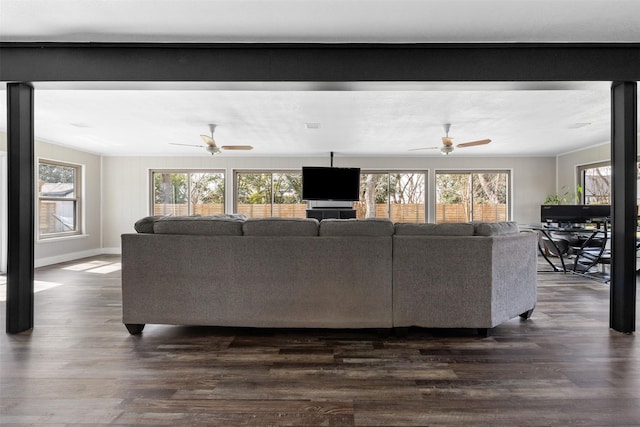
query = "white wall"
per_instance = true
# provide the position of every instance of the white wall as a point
(126, 181)
(90, 243)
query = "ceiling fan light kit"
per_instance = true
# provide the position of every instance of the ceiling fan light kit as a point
(212, 149)
(446, 149)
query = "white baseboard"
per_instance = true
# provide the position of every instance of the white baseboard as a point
(43, 262)
(112, 251)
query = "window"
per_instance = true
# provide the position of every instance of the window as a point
(196, 192)
(472, 196)
(399, 196)
(595, 180)
(264, 194)
(59, 207)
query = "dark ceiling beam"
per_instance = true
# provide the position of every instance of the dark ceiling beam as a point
(46, 62)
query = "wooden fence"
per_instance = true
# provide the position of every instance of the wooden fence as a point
(183, 209)
(410, 212)
(47, 222)
(446, 212)
(56, 216)
(297, 210)
(399, 212)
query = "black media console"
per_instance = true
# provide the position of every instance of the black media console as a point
(338, 213)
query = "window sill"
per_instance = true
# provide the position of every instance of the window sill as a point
(62, 238)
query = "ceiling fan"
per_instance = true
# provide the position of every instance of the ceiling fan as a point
(447, 143)
(211, 146)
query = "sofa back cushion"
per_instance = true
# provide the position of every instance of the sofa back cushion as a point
(446, 229)
(145, 225)
(280, 227)
(356, 227)
(198, 225)
(496, 228)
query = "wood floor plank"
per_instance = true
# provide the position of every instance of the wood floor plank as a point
(79, 366)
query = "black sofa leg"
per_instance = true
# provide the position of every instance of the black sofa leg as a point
(401, 332)
(134, 328)
(527, 314)
(383, 332)
(485, 332)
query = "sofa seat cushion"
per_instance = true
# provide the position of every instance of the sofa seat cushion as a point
(496, 228)
(445, 229)
(198, 225)
(356, 227)
(280, 227)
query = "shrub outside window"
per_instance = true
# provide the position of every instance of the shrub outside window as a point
(59, 207)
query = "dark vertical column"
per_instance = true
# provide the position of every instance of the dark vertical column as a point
(624, 154)
(20, 154)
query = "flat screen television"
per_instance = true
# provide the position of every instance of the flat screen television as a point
(328, 183)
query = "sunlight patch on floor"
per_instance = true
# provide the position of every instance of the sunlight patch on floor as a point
(97, 267)
(106, 269)
(38, 285)
(84, 266)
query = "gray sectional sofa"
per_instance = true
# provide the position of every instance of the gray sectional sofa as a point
(301, 273)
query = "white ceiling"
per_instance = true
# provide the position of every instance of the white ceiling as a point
(375, 119)
(329, 21)
(378, 120)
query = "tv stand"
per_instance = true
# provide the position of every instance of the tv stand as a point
(327, 213)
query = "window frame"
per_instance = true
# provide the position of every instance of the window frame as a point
(580, 172)
(509, 195)
(188, 172)
(78, 200)
(237, 172)
(389, 172)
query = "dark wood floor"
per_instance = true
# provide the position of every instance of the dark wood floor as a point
(80, 366)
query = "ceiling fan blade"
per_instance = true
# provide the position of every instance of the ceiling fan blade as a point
(237, 147)
(424, 148)
(186, 145)
(472, 143)
(208, 140)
